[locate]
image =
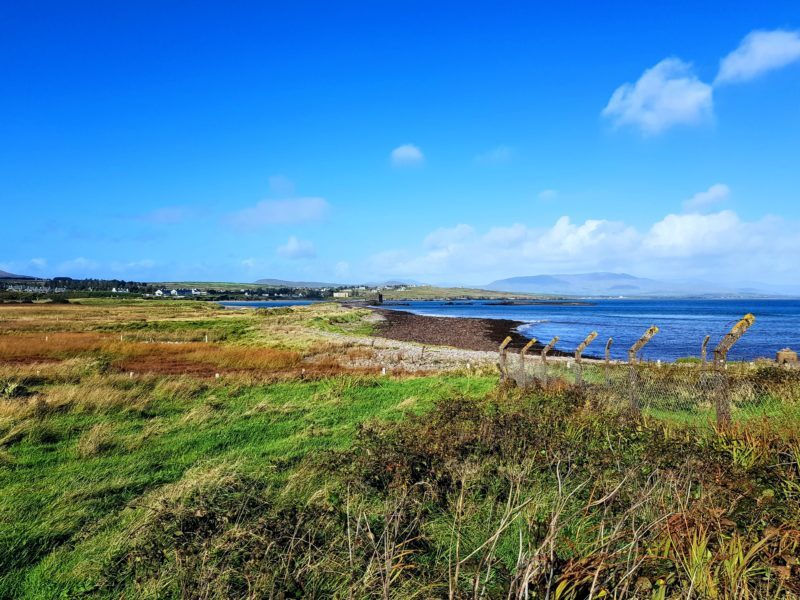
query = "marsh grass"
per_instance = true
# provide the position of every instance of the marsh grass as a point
(497, 495)
(128, 469)
(76, 471)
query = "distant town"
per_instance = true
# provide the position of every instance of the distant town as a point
(27, 289)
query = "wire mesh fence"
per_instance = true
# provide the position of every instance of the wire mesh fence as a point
(683, 390)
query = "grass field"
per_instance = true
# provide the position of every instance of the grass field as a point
(427, 292)
(128, 468)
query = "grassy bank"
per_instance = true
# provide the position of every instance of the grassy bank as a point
(128, 468)
(78, 467)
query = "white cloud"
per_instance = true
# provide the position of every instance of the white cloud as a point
(702, 201)
(295, 248)
(758, 53)
(716, 246)
(280, 212)
(406, 155)
(693, 235)
(505, 237)
(497, 155)
(447, 236)
(548, 195)
(665, 95)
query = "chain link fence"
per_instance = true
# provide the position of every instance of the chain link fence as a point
(690, 390)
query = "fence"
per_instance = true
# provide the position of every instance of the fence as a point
(692, 390)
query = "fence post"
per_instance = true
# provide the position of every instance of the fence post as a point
(578, 353)
(608, 361)
(722, 403)
(501, 359)
(703, 356)
(550, 345)
(632, 380)
(522, 354)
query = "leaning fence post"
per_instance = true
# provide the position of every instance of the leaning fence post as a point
(722, 403)
(578, 353)
(608, 360)
(550, 345)
(703, 355)
(632, 352)
(522, 354)
(501, 358)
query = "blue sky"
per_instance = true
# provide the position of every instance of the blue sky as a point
(444, 142)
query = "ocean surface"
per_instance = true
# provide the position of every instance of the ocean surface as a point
(683, 324)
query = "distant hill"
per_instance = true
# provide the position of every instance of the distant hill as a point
(320, 284)
(389, 282)
(296, 284)
(7, 275)
(611, 284)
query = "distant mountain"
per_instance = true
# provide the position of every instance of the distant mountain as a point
(615, 284)
(7, 275)
(320, 284)
(389, 282)
(296, 284)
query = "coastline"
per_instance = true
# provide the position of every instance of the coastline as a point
(466, 333)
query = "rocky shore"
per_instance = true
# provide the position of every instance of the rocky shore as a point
(462, 332)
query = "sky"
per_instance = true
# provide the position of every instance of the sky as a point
(443, 142)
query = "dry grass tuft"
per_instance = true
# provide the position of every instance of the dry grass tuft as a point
(6, 459)
(97, 441)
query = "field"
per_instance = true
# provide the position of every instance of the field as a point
(427, 292)
(170, 449)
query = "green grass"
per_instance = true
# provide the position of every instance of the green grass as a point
(169, 486)
(352, 322)
(229, 329)
(428, 292)
(60, 509)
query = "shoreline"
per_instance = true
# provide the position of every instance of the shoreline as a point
(466, 333)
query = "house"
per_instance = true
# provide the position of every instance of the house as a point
(342, 294)
(159, 293)
(180, 293)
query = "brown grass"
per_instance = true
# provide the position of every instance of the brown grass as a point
(97, 440)
(29, 347)
(62, 345)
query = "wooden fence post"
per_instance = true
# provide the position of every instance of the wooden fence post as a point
(550, 345)
(722, 403)
(703, 354)
(608, 361)
(578, 353)
(501, 359)
(632, 379)
(522, 354)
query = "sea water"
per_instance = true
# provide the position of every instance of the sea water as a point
(683, 323)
